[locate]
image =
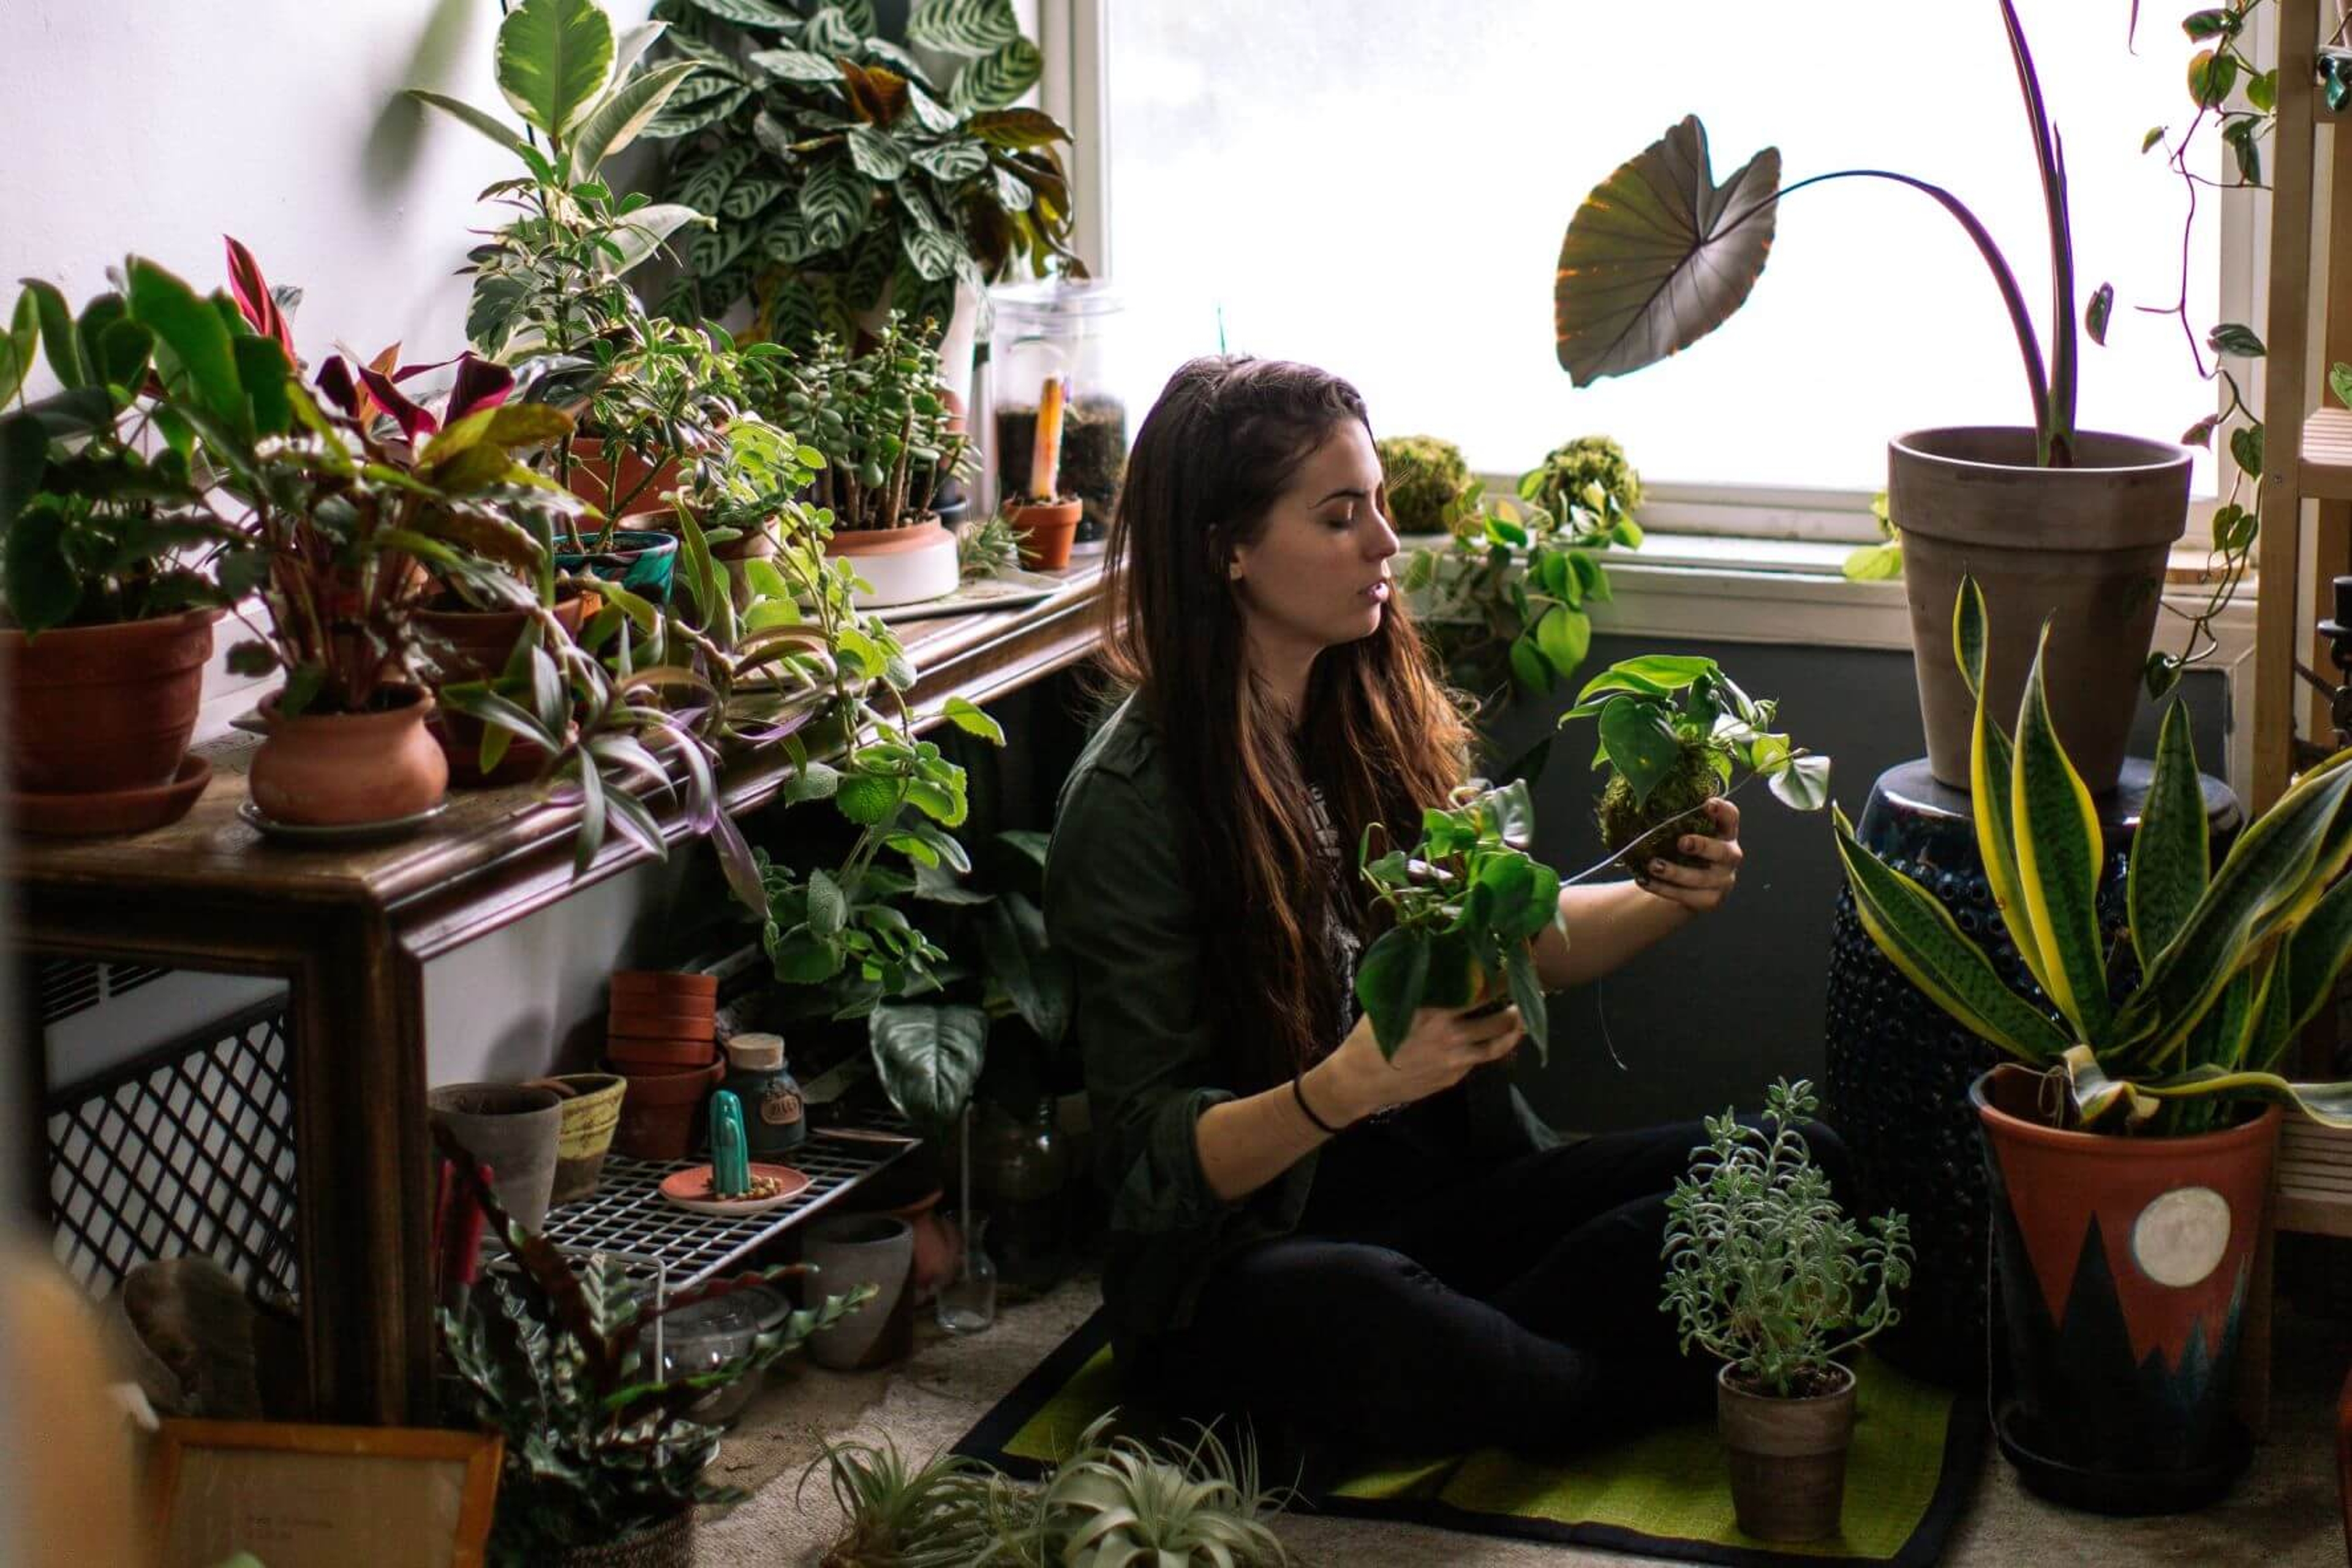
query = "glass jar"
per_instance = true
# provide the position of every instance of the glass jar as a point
(1064, 329)
(967, 1301)
(1022, 1167)
(705, 1337)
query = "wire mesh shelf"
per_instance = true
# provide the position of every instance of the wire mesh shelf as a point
(627, 1214)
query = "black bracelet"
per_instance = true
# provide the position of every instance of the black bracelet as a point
(1299, 1093)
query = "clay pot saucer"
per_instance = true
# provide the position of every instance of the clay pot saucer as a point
(390, 827)
(684, 1188)
(109, 811)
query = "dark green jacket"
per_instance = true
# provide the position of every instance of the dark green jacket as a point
(1118, 903)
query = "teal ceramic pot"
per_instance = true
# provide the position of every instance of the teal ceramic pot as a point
(644, 563)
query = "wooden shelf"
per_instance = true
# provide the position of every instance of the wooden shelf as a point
(2327, 468)
(2314, 1179)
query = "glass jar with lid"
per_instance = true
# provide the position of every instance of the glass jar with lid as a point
(1067, 330)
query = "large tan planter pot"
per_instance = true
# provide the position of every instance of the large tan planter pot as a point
(335, 770)
(2083, 548)
(94, 710)
(902, 565)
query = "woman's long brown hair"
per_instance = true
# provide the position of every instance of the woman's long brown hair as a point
(1379, 731)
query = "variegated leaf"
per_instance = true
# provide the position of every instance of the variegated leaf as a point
(2059, 849)
(953, 161)
(968, 28)
(876, 154)
(1968, 635)
(795, 65)
(1990, 767)
(996, 79)
(835, 204)
(2171, 854)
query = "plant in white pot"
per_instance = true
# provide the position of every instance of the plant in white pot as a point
(2053, 519)
(1764, 1270)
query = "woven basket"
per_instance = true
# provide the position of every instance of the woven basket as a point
(669, 1544)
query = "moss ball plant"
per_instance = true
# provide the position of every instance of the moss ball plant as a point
(1590, 474)
(1675, 731)
(1430, 487)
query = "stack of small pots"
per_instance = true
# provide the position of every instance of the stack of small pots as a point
(660, 1034)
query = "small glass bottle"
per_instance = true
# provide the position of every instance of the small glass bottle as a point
(967, 1301)
(1025, 1179)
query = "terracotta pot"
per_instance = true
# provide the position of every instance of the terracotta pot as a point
(97, 710)
(636, 1052)
(480, 642)
(669, 1544)
(2083, 548)
(335, 769)
(592, 479)
(1046, 529)
(1787, 1457)
(934, 1256)
(664, 983)
(2124, 1263)
(901, 565)
(591, 1111)
(514, 1130)
(639, 1017)
(658, 1113)
(855, 1249)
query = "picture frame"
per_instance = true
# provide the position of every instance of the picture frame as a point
(301, 1496)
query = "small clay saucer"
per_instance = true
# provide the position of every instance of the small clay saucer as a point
(686, 1189)
(336, 833)
(114, 811)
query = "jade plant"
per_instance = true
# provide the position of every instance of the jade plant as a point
(1763, 1268)
(1504, 601)
(1675, 731)
(2194, 1013)
(845, 172)
(1465, 905)
(879, 420)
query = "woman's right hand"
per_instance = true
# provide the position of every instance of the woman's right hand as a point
(1439, 1050)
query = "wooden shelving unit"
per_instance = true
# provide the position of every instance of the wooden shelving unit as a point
(2307, 457)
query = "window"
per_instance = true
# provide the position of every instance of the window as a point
(1381, 188)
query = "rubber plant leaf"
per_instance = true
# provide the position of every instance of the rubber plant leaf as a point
(1659, 255)
(2171, 858)
(2059, 849)
(553, 60)
(616, 122)
(1920, 938)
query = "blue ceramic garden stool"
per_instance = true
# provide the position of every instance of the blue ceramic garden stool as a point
(1899, 1073)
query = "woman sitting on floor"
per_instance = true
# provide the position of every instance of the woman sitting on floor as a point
(1394, 1254)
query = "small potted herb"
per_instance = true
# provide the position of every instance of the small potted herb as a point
(1674, 730)
(1464, 905)
(1764, 1270)
(1045, 516)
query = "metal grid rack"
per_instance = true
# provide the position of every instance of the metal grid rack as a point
(628, 1214)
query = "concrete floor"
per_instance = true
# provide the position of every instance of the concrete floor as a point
(2283, 1515)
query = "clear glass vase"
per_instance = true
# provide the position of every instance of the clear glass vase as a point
(967, 1300)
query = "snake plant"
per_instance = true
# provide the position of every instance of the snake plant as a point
(2230, 963)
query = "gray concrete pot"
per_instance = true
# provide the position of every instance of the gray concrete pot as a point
(1788, 1458)
(2083, 548)
(856, 1249)
(513, 1129)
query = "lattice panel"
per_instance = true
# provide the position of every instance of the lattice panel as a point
(189, 1149)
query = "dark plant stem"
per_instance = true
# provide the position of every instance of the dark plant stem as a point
(2057, 430)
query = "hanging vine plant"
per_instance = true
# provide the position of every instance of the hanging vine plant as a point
(841, 166)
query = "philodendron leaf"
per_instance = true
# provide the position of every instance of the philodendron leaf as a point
(2171, 855)
(1391, 981)
(1659, 255)
(2058, 854)
(1527, 995)
(929, 1057)
(17, 345)
(1803, 785)
(1641, 742)
(553, 60)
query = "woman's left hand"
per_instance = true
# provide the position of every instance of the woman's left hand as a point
(1701, 888)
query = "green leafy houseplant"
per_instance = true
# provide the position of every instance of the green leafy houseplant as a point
(1879, 562)
(1465, 905)
(1763, 1269)
(1674, 730)
(2230, 962)
(1505, 600)
(842, 169)
(597, 1447)
(880, 422)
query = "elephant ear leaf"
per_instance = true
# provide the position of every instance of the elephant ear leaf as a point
(1659, 255)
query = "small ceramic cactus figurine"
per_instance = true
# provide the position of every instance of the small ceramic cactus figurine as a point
(730, 1155)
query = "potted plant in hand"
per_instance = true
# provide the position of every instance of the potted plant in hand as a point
(1674, 731)
(2056, 521)
(1465, 905)
(605, 1460)
(1764, 1270)
(108, 619)
(882, 426)
(2128, 1147)
(1045, 516)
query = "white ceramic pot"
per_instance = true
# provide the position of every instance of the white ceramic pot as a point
(850, 1250)
(904, 565)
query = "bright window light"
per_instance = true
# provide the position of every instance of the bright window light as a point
(1381, 188)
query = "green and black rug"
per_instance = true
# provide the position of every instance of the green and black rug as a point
(1916, 1448)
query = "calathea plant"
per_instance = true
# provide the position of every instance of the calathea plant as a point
(1674, 731)
(2230, 962)
(1763, 1268)
(841, 169)
(1464, 907)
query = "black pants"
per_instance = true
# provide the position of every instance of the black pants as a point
(1515, 1306)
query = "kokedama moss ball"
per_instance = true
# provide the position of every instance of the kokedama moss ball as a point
(1569, 468)
(1624, 821)
(1430, 487)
